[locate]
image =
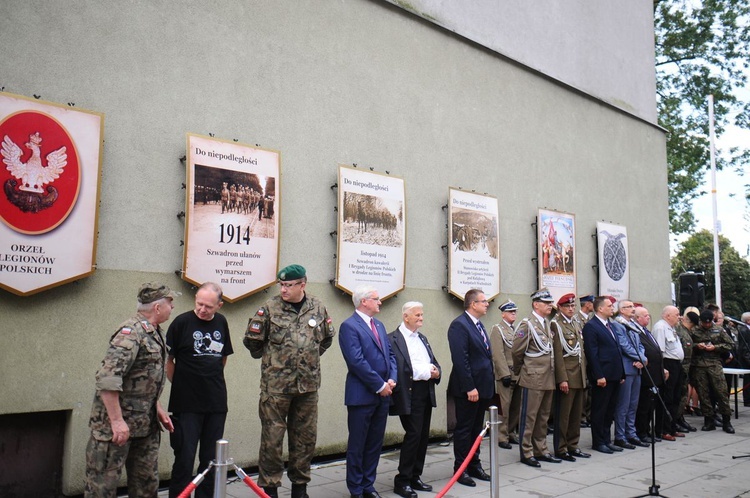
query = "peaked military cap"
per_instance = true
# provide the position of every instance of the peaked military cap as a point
(542, 295)
(588, 298)
(508, 306)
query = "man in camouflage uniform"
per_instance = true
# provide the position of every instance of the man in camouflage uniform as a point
(570, 378)
(687, 323)
(501, 339)
(126, 412)
(533, 362)
(289, 332)
(709, 342)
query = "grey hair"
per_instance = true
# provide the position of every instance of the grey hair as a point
(745, 317)
(361, 293)
(148, 307)
(214, 287)
(411, 305)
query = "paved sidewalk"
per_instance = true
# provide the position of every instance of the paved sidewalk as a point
(699, 465)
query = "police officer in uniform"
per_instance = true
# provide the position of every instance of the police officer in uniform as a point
(126, 412)
(501, 339)
(533, 362)
(570, 377)
(289, 333)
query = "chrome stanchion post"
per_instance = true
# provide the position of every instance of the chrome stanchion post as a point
(220, 473)
(494, 454)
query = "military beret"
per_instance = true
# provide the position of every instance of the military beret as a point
(567, 299)
(542, 295)
(588, 298)
(707, 316)
(508, 306)
(153, 291)
(291, 272)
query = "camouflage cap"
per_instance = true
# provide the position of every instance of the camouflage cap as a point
(153, 291)
(291, 272)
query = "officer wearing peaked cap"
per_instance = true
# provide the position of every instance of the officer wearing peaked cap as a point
(533, 362)
(501, 338)
(289, 333)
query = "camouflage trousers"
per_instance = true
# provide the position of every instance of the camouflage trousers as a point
(684, 391)
(105, 460)
(296, 414)
(708, 379)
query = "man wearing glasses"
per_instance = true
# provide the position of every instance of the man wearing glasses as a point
(471, 383)
(289, 333)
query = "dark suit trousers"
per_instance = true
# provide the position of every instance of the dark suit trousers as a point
(417, 427)
(366, 432)
(469, 423)
(646, 402)
(671, 393)
(603, 403)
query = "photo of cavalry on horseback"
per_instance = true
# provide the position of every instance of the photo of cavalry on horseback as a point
(234, 198)
(473, 231)
(368, 219)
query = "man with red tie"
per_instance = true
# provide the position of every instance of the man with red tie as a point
(370, 380)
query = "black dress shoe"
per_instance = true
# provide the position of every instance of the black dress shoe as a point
(466, 480)
(531, 462)
(479, 474)
(405, 491)
(603, 448)
(565, 456)
(646, 439)
(548, 458)
(419, 485)
(637, 442)
(624, 444)
(372, 494)
(585, 425)
(580, 454)
(505, 445)
(613, 447)
(512, 439)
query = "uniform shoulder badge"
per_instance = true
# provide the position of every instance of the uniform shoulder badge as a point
(126, 330)
(254, 327)
(260, 312)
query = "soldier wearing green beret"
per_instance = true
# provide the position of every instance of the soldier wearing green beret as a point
(126, 412)
(289, 333)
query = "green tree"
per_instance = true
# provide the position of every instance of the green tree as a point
(701, 49)
(697, 254)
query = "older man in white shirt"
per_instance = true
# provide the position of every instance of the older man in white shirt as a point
(671, 348)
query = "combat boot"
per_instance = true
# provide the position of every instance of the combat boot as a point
(727, 421)
(299, 491)
(708, 424)
(273, 492)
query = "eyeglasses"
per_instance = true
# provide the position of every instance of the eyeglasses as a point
(626, 307)
(484, 301)
(287, 285)
(371, 298)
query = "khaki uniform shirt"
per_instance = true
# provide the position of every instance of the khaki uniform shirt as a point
(133, 365)
(571, 368)
(290, 344)
(533, 361)
(501, 339)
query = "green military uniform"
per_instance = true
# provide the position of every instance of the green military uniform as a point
(501, 339)
(707, 372)
(570, 367)
(687, 346)
(290, 344)
(134, 366)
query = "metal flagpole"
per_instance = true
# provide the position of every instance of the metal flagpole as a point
(717, 261)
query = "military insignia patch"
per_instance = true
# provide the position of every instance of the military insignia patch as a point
(520, 334)
(312, 322)
(126, 330)
(329, 320)
(255, 327)
(260, 312)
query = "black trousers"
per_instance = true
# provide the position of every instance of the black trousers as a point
(603, 403)
(469, 423)
(189, 430)
(671, 394)
(417, 427)
(646, 402)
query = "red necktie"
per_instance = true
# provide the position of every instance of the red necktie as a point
(375, 332)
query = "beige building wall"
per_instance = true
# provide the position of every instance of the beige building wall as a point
(324, 82)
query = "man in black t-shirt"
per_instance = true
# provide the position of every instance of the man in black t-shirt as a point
(198, 344)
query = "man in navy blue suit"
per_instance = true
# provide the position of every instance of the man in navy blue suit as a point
(370, 381)
(471, 383)
(605, 372)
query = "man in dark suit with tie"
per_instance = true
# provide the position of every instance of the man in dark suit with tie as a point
(471, 383)
(413, 397)
(370, 381)
(653, 377)
(605, 373)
